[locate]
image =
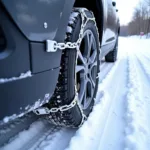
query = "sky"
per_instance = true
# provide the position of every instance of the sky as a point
(126, 8)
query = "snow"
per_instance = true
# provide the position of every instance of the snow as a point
(23, 137)
(120, 119)
(8, 118)
(22, 76)
(69, 29)
(136, 118)
(141, 37)
(71, 21)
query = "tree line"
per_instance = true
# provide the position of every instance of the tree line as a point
(140, 21)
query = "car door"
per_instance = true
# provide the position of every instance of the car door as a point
(110, 22)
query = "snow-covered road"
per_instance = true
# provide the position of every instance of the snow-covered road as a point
(120, 119)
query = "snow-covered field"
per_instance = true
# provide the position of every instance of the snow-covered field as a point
(120, 119)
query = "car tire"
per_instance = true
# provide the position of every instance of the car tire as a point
(112, 55)
(72, 79)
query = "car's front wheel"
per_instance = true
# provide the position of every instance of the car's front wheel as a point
(79, 71)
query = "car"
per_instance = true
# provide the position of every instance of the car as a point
(50, 54)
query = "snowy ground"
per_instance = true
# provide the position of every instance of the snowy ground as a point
(121, 116)
(145, 36)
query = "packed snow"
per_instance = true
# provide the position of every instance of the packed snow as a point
(22, 76)
(120, 119)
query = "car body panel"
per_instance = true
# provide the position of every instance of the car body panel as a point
(15, 57)
(20, 56)
(110, 23)
(23, 95)
(41, 60)
(40, 20)
(110, 27)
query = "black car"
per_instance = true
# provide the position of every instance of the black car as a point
(50, 53)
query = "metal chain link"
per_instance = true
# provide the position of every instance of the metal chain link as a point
(76, 45)
(71, 45)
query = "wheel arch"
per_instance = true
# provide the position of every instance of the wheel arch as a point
(96, 6)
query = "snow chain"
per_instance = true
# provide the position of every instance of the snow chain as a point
(72, 45)
(62, 46)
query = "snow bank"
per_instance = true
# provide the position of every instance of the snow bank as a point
(136, 117)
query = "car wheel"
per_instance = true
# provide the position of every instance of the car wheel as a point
(79, 70)
(112, 56)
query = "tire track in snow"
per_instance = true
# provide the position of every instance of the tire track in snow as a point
(144, 64)
(105, 70)
(41, 135)
(136, 117)
(113, 134)
(146, 56)
(47, 133)
(11, 129)
(108, 77)
(26, 138)
(145, 78)
(51, 141)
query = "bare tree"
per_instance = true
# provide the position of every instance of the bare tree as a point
(141, 19)
(148, 16)
(124, 30)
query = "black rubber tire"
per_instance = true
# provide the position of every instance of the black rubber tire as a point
(65, 90)
(112, 55)
(2, 41)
